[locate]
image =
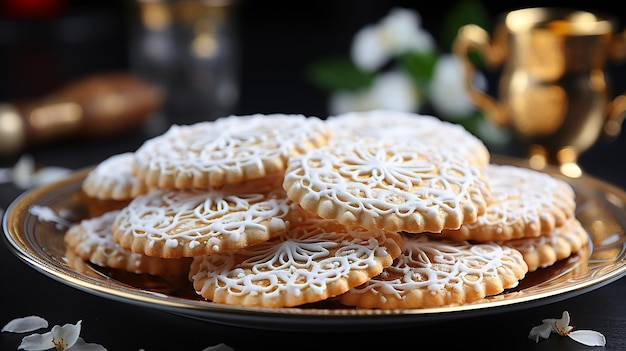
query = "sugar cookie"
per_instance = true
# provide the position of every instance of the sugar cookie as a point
(113, 179)
(435, 272)
(545, 250)
(524, 203)
(228, 150)
(400, 126)
(312, 262)
(406, 186)
(188, 222)
(92, 241)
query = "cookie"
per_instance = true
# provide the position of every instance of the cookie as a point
(524, 203)
(91, 240)
(408, 186)
(401, 126)
(188, 222)
(228, 150)
(314, 261)
(113, 179)
(435, 272)
(545, 250)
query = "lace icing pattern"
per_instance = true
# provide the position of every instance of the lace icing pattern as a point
(308, 257)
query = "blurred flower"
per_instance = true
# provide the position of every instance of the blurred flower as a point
(398, 32)
(390, 90)
(25, 175)
(395, 64)
(447, 88)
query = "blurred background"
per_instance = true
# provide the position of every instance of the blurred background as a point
(265, 48)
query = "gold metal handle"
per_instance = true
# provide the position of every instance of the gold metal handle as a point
(616, 110)
(470, 38)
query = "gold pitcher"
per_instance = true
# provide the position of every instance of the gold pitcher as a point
(553, 91)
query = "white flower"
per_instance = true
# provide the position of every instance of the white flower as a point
(394, 90)
(60, 338)
(391, 90)
(447, 91)
(562, 327)
(396, 33)
(405, 26)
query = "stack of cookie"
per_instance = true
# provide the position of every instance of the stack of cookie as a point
(376, 209)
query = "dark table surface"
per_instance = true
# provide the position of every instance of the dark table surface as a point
(271, 83)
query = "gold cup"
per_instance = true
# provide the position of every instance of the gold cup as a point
(553, 90)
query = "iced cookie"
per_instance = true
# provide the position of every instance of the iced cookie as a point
(545, 250)
(113, 179)
(92, 241)
(435, 272)
(314, 261)
(228, 150)
(181, 223)
(406, 186)
(399, 126)
(524, 203)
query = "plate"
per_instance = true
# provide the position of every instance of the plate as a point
(37, 239)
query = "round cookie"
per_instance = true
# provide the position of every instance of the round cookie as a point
(545, 250)
(435, 272)
(401, 126)
(188, 222)
(113, 179)
(406, 186)
(314, 261)
(228, 150)
(92, 241)
(524, 203)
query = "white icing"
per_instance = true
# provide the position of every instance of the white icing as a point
(113, 178)
(523, 196)
(196, 216)
(96, 236)
(436, 265)
(92, 238)
(308, 257)
(368, 181)
(403, 126)
(241, 144)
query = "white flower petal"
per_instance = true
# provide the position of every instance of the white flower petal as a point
(561, 326)
(47, 175)
(25, 324)
(564, 321)
(343, 102)
(394, 90)
(403, 31)
(219, 347)
(447, 91)
(81, 345)
(588, 337)
(23, 172)
(368, 51)
(36, 342)
(541, 331)
(68, 333)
